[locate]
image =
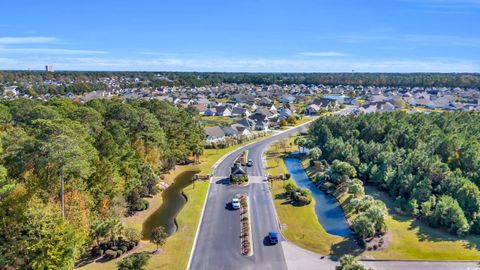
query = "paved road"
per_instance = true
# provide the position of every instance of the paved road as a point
(218, 242)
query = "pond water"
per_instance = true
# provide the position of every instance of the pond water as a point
(173, 202)
(329, 212)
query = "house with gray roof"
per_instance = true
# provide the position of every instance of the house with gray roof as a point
(214, 134)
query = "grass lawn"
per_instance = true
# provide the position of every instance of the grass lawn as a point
(217, 120)
(300, 223)
(414, 240)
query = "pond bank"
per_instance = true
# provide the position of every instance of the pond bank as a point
(173, 201)
(327, 209)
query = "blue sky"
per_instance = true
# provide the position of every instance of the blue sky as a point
(242, 35)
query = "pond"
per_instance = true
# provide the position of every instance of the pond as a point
(172, 204)
(329, 212)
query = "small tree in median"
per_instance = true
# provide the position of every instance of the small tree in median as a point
(159, 236)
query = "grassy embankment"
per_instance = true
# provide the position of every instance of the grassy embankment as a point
(300, 223)
(410, 239)
(415, 240)
(176, 252)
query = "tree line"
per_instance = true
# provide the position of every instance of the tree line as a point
(32, 82)
(428, 163)
(70, 171)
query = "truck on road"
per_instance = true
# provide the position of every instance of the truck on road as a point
(244, 158)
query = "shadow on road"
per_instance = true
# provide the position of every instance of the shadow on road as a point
(229, 207)
(224, 181)
(266, 242)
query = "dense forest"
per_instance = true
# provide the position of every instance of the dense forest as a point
(428, 163)
(88, 81)
(109, 154)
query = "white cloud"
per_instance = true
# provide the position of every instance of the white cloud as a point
(244, 64)
(5, 50)
(28, 40)
(324, 54)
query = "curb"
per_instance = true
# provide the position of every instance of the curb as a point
(211, 179)
(206, 200)
(198, 226)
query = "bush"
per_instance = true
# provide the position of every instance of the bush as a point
(96, 252)
(132, 234)
(137, 261)
(123, 248)
(329, 186)
(110, 254)
(145, 204)
(303, 200)
(287, 176)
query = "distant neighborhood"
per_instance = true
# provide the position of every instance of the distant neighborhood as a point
(241, 111)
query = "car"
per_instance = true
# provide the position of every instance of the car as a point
(273, 238)
(250, 163)
(235, 203)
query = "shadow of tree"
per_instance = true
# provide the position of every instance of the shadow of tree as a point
(349, 245)
(424, 231)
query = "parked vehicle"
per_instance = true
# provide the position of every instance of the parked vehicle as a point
(249, 163)
(273, 238)
(235, 203)
(244, 158)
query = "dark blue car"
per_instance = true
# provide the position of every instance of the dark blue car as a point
(273, 238)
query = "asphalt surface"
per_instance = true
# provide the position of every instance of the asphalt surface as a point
(218, 242)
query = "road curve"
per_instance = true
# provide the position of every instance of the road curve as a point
(218, 240)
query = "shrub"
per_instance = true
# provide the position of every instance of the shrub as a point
(287, 176)
(303, 200)
(124, 248)
(110, 254)
(96, 251)
(132, 234)
(137, 261)
(145, 204)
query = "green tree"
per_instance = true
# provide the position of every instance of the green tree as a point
(136, 261)
(355, 188)
(348, 262)
(364, 227)
(51, 241)
(315, 153)
(159, 236)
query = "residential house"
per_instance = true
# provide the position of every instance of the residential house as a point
(285, 113)
(214, 134)
(241, 129)
(238, 111)
(230, 131)
(326, 103)
(287, 99)
(210, 112)
(261, 121)
(312, 109)
(247, 122)
(265, 101)
(223, 111)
